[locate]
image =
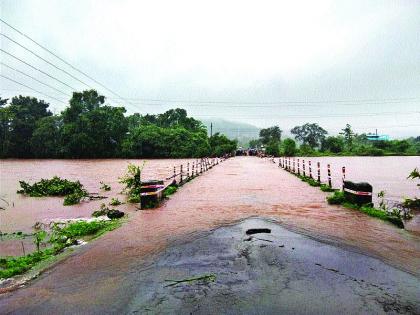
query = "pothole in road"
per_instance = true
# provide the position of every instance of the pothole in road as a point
(257, 231)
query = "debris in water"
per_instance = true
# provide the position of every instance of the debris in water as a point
(205, 278)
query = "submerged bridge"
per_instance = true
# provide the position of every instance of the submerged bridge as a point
(311, 257)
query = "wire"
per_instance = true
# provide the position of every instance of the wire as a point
(45, 60)
(1, 75)
(362, 101)
(35, 68)
(320, 116)
(29, 76)
(62, 60)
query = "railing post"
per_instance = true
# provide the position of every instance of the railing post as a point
(180, 174)
(329, 175)
(294, 165)
(201, 166)
(343, 170)
(310, 169)
(188, 170)
(319, 172)
(192, 170)
(304, 171)
(298, 166)
(175, 174)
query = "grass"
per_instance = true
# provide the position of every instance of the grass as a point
(338, 198)
(60, 238)
(170, 190)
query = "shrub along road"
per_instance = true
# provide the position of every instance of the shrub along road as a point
(122, 271)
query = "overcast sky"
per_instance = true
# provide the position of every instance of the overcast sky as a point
(260, 62)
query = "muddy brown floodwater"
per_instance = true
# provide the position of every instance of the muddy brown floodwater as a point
(239, 188)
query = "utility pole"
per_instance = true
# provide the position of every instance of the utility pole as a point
(211, 129)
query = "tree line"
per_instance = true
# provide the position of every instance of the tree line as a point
(312, 139)
(88, 128)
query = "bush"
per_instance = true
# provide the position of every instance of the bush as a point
(115, 202)
(132, 181)
(73, 191)
(337, 198)
(170, 190)
(104, 186)
(326, 188)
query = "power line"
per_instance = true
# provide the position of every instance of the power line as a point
(1, 75)
(29, 76)
(319, 116)
(258, 105)
(61, 59)
(286, 102)
(45, 60)
(39, 70)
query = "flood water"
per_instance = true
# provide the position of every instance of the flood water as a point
(387, 174)
(23, 212)
(384, 173)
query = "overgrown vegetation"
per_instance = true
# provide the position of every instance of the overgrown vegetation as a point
(88, 128)
(132, 182)
(337, 198)
(170, 190)
(314, 141)
(73, 191)
(115, 202)
(105, 187)
(60, 236)
(395, 216)
(413, 203)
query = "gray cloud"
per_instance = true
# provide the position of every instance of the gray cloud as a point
(237, 51)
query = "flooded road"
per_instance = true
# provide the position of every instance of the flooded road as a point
(388, 173)
(239, 188)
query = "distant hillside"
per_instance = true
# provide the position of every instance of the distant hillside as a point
(233, 130)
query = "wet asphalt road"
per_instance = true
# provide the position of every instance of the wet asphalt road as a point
(278, 273)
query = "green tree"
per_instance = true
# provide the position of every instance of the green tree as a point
(5, 120)
(309, 134)
(255, 143)
(272, 148)
(221, 145)
(24, 112)
(271, 134)
(91, 129)
(333, 144)
(45, 141)
(288, 147)
(348, 135)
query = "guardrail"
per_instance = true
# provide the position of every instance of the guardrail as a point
(304, 167)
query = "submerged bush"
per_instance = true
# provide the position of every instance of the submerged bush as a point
(411, 203)
(132, 181)
(170, 190)
(104, 186)
(326, 188)
(115, 202)
(56, 186)
(61, 236)
(337, 198)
